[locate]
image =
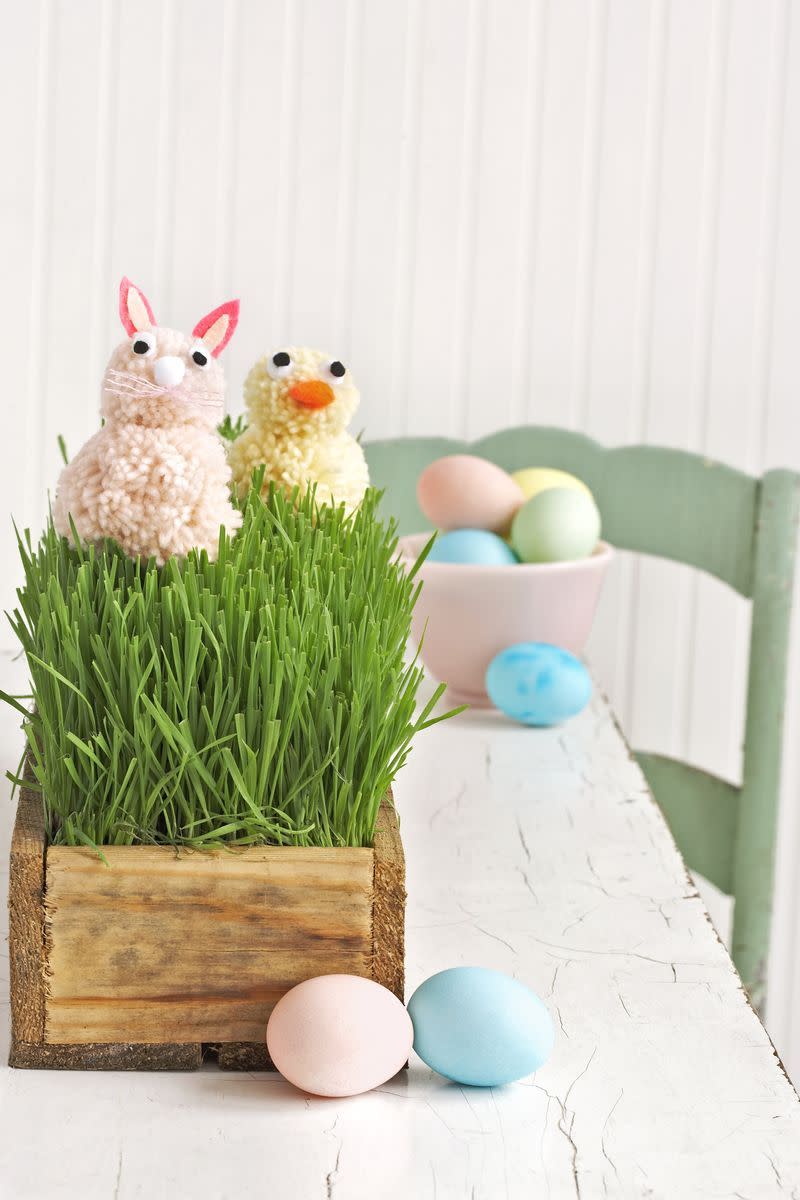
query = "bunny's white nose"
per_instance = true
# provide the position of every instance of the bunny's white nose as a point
(169, 371)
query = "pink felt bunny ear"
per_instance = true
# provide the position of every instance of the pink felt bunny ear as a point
(217, 328)
(134, 308)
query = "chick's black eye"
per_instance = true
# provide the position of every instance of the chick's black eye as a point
(199, 357)
(281, 359)
(140, 346)
(338, 369)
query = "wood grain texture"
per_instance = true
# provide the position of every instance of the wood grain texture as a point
(389, 907)
(113, 1057)
(243, 1056)
(26, 919)
(28, 969)
(143, 960)
(388, 935)
(166, 947)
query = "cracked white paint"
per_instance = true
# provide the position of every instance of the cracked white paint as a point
(536, 852)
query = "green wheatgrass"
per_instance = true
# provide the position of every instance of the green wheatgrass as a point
(261, 698)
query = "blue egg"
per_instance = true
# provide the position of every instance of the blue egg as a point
(480, 1027)
(476, 546)
(538, 684)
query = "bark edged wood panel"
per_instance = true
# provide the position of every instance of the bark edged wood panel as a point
(145, 959)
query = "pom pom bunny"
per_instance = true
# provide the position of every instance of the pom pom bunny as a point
(299, 403)
(155, 478)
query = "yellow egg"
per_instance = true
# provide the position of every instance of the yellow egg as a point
(533, 480)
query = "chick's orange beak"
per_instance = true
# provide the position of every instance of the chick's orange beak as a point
(312, 393)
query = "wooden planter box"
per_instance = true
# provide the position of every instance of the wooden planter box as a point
(163, 958)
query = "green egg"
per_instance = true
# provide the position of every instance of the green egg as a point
(556, 525)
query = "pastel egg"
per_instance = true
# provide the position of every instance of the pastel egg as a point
(538, 684)
(480, 1027)
(338, 1035)
(532, 480)
(475, 546)
(462, 491)
(556, 525)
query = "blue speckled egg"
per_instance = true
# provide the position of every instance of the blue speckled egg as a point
(480, 1027)
(476, 546)
(538, 684)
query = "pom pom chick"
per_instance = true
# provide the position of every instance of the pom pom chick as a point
(299, 403)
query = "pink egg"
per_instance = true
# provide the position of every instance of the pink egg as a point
(338, 1035)
(462, 491)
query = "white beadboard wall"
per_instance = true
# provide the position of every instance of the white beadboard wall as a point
(578, 212)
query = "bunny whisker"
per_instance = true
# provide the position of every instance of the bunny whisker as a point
(189, 401)
(130, 389)
(133, 381)
(119, 389)
(141, 385)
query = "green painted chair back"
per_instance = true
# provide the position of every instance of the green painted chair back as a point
(650, 499)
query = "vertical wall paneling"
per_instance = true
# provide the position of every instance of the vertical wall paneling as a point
(282, 156)
(344, 244)
(433, 325)
(484, 367)
(581, 213)
(601, 90)
(380, 267)
(197, 205)
(729, 399)
(644, 309)
(405, 273)
(260, 194)
(321, 150)
(138, 160)
(531, 100)
(68, 382)
(612, 220)
(661, 643)
(25, 64)
(166, 19)
(106, 100)
(227, 162)
(465, 274)
(572, 35)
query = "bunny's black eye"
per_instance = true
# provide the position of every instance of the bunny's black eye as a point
(198, 353)
(144, 344)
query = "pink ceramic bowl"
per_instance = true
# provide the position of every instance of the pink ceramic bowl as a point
(474, 612)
